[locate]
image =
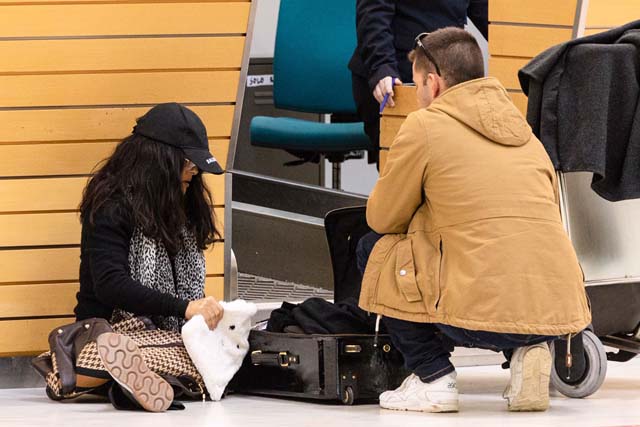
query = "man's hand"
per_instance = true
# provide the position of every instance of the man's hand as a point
(383, 87)
(209, 308)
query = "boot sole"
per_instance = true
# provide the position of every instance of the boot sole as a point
(123, 360)
(536, 370)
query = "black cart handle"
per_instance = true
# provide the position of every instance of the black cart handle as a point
(282, 359)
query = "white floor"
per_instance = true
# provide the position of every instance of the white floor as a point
(616, 404)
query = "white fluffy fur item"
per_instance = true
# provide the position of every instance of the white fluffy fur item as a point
(218, 354)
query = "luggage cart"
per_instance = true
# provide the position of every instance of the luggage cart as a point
(606, 236)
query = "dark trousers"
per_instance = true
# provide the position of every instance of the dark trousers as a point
(368, 111)
(425, 346)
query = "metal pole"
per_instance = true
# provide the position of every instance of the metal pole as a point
(335, 182)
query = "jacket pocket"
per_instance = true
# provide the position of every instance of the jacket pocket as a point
(406, 271)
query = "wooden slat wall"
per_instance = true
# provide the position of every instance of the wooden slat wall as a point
(540, 12)
(94, 124)
(58, 299)
(520, 30)
(61, 264)
(112, 55)
(74, 76)
(123, 19)
(603, 15)
(393, 117)
(26, 332)
(22, 160)
(47, 229)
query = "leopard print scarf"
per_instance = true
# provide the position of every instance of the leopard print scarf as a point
(149, 263)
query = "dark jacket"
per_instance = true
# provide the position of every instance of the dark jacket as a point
(105, 280)
(386, 31)
(583, 105)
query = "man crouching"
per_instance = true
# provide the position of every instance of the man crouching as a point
(469, 243)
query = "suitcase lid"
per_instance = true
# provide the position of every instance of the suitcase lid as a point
(344, 228)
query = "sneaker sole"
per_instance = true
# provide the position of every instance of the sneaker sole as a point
(439, 408)
(123, 360)
(536, 370)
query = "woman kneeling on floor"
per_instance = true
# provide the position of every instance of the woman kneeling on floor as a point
(146, 220)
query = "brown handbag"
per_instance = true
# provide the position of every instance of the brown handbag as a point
(65, 344)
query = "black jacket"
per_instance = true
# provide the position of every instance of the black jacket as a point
(105, 281)
(386, 31)
(583, 105)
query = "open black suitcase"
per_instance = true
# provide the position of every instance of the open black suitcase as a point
(345, 368)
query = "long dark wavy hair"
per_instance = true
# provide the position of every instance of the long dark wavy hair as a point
(143, 178)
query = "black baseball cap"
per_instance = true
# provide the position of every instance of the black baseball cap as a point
(176, 125)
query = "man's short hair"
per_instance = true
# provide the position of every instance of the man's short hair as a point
(456, 52)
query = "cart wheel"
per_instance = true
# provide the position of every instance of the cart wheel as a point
(594, 373)
(347, 396)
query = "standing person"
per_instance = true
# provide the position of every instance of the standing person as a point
(385, 31)
(146, 220)
(468, 238)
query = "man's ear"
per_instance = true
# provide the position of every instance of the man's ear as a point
(434, 85)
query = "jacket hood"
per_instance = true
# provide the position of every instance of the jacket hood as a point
(483, 105)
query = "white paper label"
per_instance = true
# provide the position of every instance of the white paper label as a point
(260, 80)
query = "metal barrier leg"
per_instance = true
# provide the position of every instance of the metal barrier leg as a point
(233, 277)
(335, 181)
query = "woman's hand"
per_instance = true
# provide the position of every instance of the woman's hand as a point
(209, 308)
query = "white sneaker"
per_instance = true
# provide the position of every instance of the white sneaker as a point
(528, 389)
(415, 395)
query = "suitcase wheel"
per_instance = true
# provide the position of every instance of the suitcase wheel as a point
(595, 372)
(347, 396)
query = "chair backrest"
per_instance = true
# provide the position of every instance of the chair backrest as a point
(314, 42)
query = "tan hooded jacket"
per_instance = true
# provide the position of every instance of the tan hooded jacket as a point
(469, 205)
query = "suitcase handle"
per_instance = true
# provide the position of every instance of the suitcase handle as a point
(281, 359)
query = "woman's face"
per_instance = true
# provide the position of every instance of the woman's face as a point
(188, 171)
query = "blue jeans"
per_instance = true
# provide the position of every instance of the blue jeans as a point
(424, 345)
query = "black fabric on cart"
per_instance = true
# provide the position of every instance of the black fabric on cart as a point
(583, 105)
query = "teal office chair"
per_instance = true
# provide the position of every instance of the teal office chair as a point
(314, 42)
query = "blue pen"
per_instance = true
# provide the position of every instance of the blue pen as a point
(386, 95)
